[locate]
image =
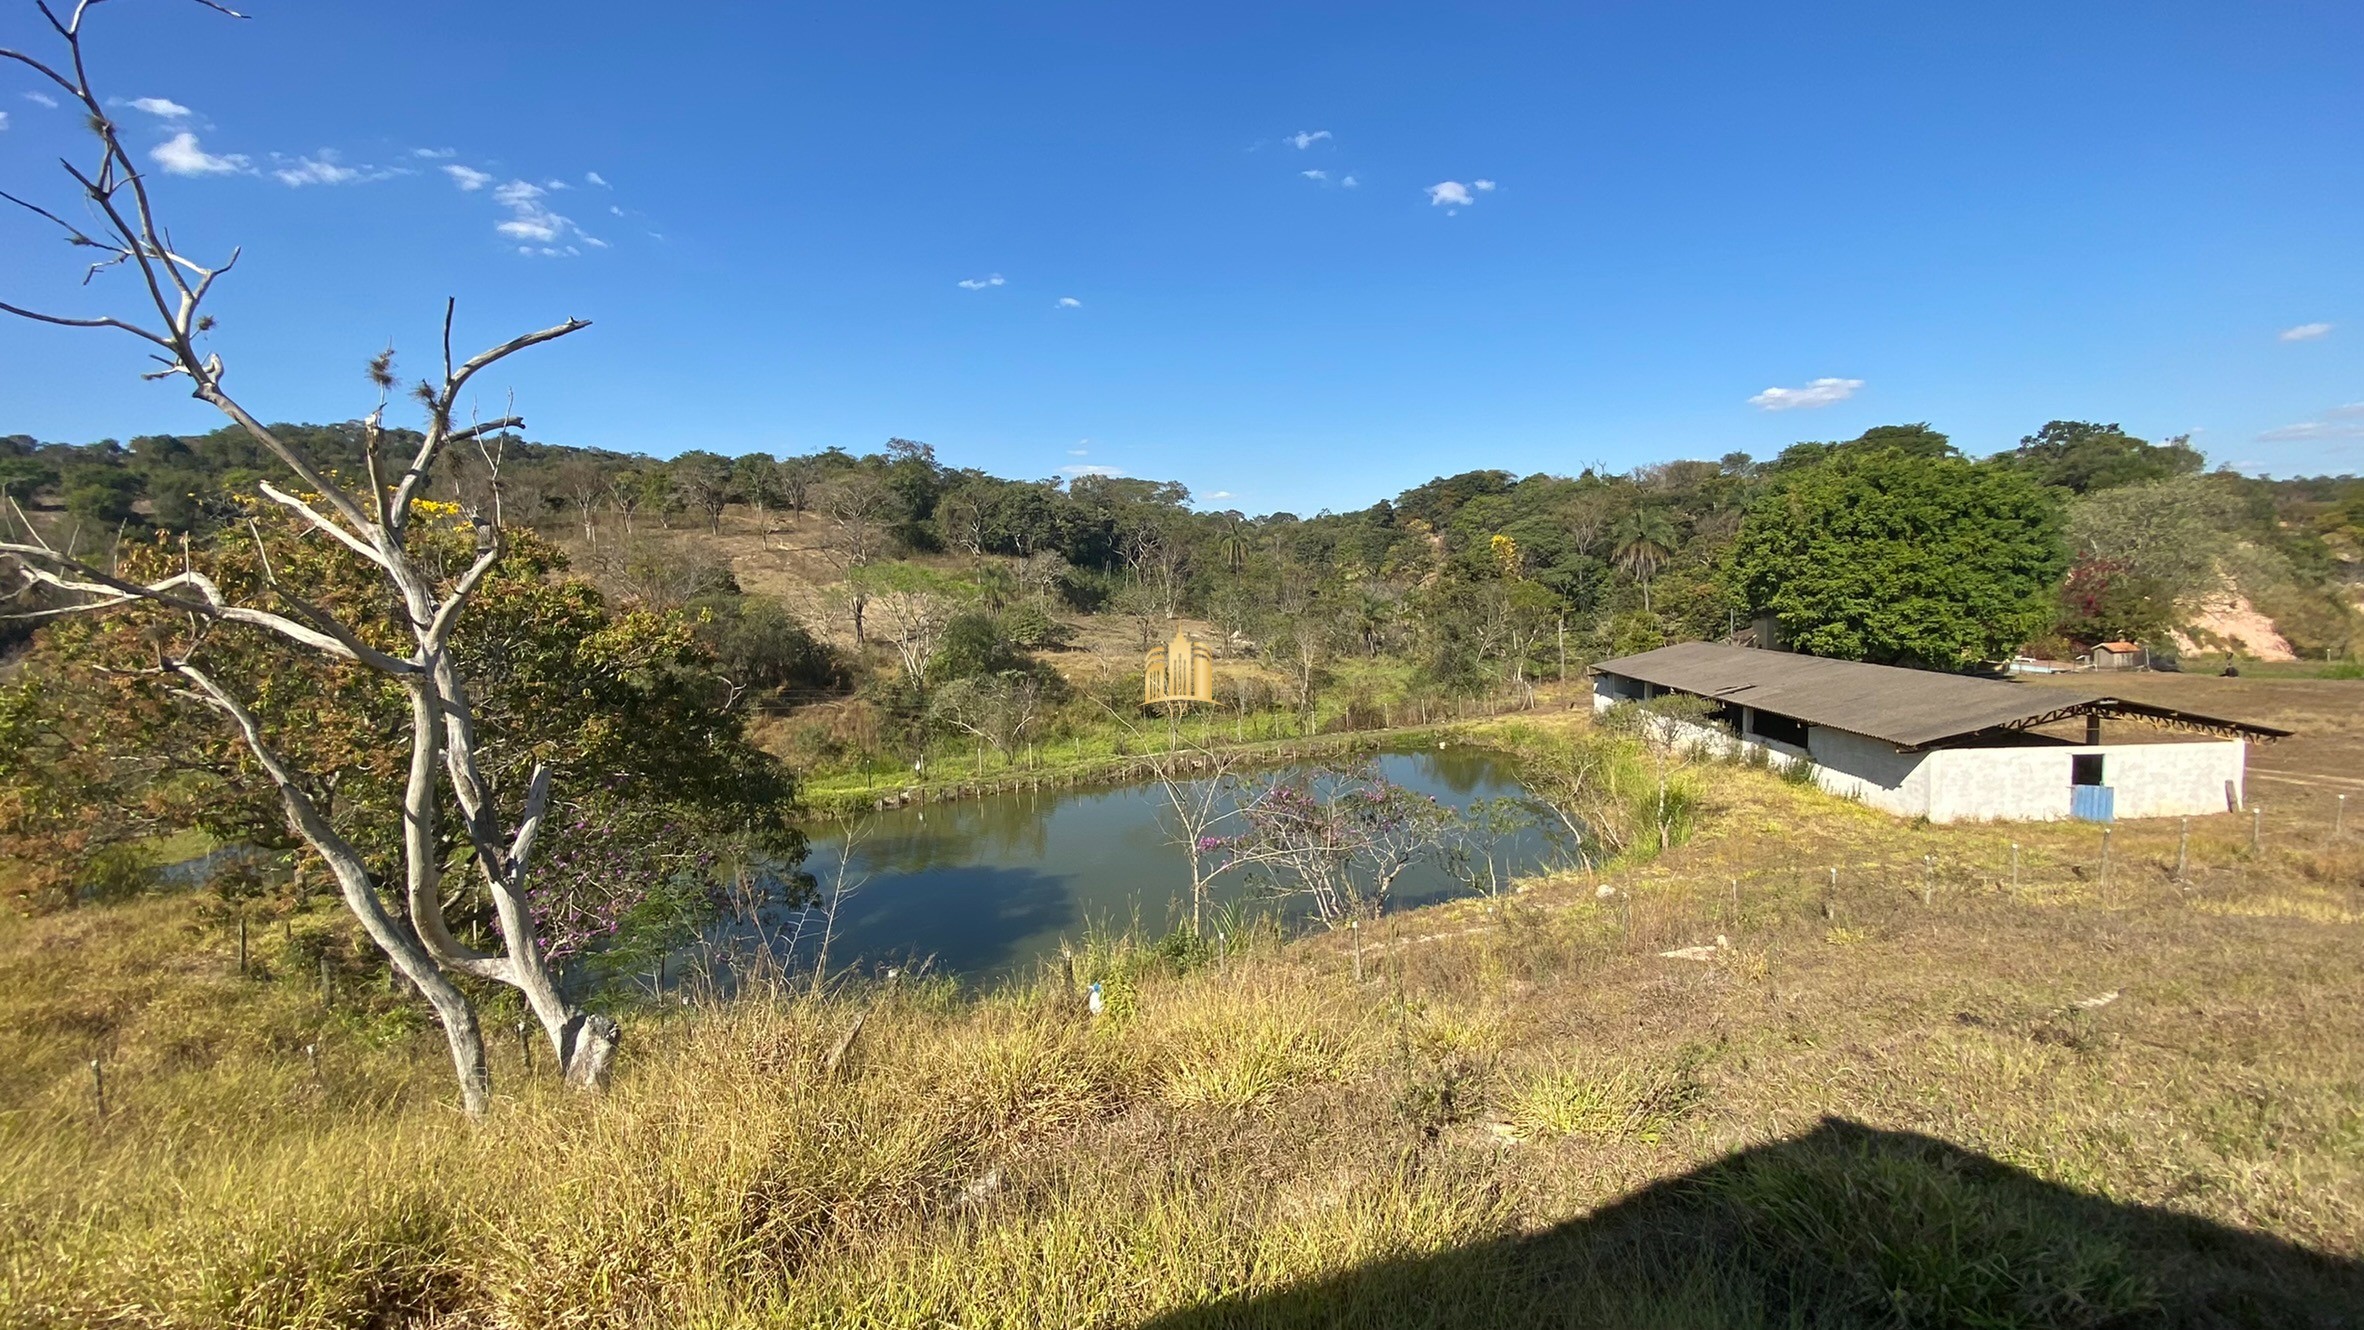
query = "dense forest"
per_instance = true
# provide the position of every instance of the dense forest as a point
(1891, 546)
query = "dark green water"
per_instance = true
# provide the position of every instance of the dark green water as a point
(987, 886)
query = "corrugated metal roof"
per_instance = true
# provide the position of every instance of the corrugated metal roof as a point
(1908, 708)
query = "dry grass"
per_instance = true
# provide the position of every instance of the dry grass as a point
(1486, 1129)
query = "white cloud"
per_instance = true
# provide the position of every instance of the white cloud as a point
(41, 99)
(1315, 175)
(980, 283)
(468, 178)
(1091, 470)
(1079, 452)
(556, 184)
(2350, 409)
(180, 155)
(1070, 302)
(597, 179)
(2305, 332)
(1821, 392)
(531, 220)
(160, 106)
(1482, 186)
(2314, 429)
(614, 211)
(1221, 494)
(1306, 138)
(435, 154)
(325, 170)
(1349, 183)
(3, 119)
(1449, 194)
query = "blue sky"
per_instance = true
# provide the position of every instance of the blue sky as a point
(1575, 234)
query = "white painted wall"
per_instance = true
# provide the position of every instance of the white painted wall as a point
(1870, 770)
(2175, 780)
(2007, 784)
(2000, 784)
(2032, 784)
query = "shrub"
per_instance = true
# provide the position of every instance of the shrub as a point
(759, 646)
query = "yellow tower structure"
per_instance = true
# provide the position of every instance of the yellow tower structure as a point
(1182, 670)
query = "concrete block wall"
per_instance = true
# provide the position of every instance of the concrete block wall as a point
(2032, 784)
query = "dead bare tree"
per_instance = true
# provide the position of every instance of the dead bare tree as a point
(375, 527)
(862, 512)
(585, 485)
(843, 882)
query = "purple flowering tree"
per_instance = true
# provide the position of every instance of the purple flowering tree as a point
(1205, 814)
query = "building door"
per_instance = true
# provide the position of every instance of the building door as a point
(2089, 799)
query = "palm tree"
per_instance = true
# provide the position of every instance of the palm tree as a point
(1233, 542)
(1644, 539)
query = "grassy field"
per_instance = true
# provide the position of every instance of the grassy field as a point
(1894, 1075)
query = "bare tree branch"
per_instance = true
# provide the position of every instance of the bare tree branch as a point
(113, 590)
(322, 523)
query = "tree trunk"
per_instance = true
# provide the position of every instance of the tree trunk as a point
(586, 1045)
(466, 1038)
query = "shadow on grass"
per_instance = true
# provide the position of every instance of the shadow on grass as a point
(1843, 1226)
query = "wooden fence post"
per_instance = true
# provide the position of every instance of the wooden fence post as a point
(2183, 849)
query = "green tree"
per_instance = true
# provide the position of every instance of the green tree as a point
(102, 495)
(1916, 440)
(2082, 457)
(755, 480)
(2173, 532)
(1888, 557)
(22, 476)
(703, 480)
(758, 646)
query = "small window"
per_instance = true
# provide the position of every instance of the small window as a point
(2085, 769)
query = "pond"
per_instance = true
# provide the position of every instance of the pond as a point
(986, 887)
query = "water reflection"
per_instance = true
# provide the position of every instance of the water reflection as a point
(987, 886)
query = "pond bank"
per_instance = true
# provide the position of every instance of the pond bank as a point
(1134, 768)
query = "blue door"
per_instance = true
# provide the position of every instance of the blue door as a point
(2093, 803)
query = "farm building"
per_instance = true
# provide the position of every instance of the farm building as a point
(2118, 656)
(1945, 746)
